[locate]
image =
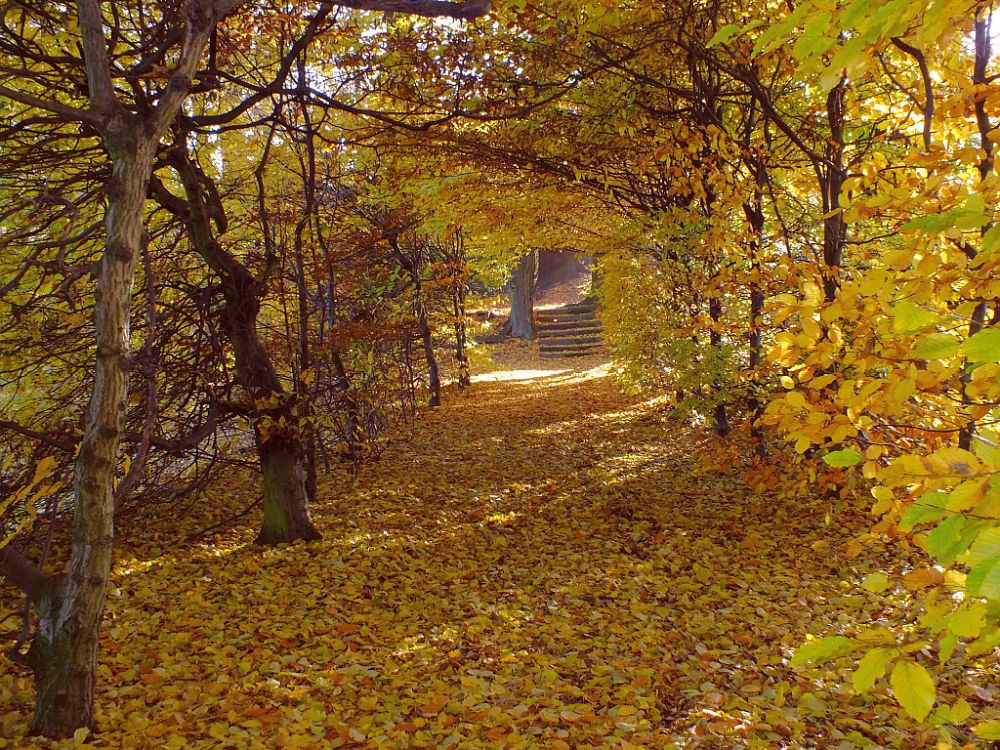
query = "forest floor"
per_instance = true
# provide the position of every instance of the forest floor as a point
(542, 562)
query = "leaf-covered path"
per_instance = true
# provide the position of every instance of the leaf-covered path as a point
(541, 563)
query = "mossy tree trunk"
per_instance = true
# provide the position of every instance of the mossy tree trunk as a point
(275, 414)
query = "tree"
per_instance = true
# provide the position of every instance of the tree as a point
(521, 321)
(121, 100)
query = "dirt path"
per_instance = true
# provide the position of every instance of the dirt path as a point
(540, 564)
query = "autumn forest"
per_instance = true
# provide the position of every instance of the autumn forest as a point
(561, 374)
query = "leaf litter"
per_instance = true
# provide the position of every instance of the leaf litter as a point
(543, 562)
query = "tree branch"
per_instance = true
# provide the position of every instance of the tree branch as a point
(466, 10)
(18, 569)
(95, 57)
(62, 110)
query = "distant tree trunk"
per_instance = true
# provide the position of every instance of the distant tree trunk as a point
(556, 267)
(412, 268)
(721, 414)
(461, 339)
(978, 320)
(754, 211)
(426, 337)
(521, 323)
(456, 258)
(835, 174)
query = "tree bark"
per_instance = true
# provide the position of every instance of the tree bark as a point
(521, 322)
(461, 337)
(411, 266)
(754, 211)
(64, 650)
(834, 226)
(720, 413)
(978, 319)
(433, 373)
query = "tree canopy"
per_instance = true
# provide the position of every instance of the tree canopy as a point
(240, 239)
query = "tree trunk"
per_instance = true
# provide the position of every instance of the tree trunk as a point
(521, 323)
(279, 444)
(433, 374)
(721, 414)
(754, 211)
(834, 226)
(286, 500)
(558, 266)
(595, 276)
(412, 266)
(64, 650)
(978, 320)
(355, 429)
(461, 338)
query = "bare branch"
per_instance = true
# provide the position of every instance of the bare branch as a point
(18, 569)
(56, 108)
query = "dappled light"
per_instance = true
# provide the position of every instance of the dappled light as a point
(556, 374)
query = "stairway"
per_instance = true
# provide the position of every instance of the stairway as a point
(569, 331)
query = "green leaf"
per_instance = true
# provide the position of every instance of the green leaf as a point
(946, 647)
(875, 582)
(723, 35)
(943, 543)
(969, 621)
(984, 346)
(984, 579)
(972, 215)
(961, 711)
(928, 507)
(871, 667)
(985, 447)
(986, 546)
(986, 643)
(913, 688)
(936, 346)
(815, 39)
(987, 730)
(843, 458)
(910, 318)
(822, 650)
(952, 538)
(990, 241)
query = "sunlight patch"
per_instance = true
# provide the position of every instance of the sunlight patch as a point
(515, 375)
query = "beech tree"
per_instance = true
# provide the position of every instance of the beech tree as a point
(129, 95)
(521, 322)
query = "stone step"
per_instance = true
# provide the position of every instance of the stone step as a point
(578, 307)
(563, 355)
(576, 333)
(583, 325)
(571, 348)
(588, 333)
(564, 317)
(550, 343)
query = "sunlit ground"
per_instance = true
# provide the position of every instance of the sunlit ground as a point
(542, 563)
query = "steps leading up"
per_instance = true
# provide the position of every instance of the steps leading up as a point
(569, 331)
